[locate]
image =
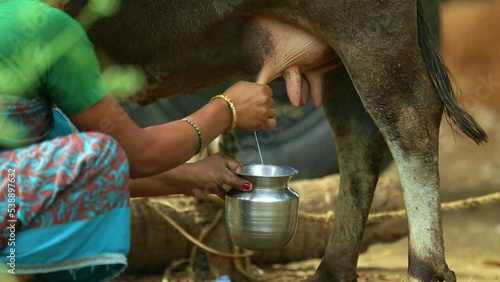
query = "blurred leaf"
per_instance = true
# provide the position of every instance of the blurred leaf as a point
(189, 270)
(123, 82)
(4, 277)
(11, 135)
(104, 8)
(19, 80)
(96, 9)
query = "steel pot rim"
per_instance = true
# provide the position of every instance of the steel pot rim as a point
(282, 170)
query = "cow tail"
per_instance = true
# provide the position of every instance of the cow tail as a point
(442, 79)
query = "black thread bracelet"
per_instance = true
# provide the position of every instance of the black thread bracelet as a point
(200, 137)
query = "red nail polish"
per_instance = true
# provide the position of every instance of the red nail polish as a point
(247, 186)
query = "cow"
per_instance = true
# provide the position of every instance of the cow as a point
(373, 65)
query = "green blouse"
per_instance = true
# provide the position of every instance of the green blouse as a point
(43, 51)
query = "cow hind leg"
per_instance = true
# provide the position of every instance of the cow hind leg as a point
(407, 109)
(381, 52)
(360, 148)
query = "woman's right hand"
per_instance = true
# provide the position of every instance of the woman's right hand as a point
(254, 105)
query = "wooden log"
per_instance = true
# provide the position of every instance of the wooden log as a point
(156, 244)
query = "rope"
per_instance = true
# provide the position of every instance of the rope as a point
(244, 270)
(401, 214)
(174, 265)
(204, 233)
(323, 218)
(247, 272)
(445, 207)
(198, 243)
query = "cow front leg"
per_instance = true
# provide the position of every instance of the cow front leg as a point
(380, 49)
(360, 148)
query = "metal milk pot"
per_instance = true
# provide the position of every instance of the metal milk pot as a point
(264, 219)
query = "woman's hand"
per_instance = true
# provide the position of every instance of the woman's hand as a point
(254, 105)
(213, 174)
(179, 139)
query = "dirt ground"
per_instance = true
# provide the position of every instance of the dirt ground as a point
(472, 241)
(471, 48)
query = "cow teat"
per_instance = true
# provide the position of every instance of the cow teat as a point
(296, 56)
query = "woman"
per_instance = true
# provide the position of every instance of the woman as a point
(64, 202)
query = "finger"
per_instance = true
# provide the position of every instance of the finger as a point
(232, 164)
(236, 182)
(221, 195)
(268, 90)
(264, 87)
(197, 193)
(271, 123)
(226, 187)
(270, 103)
(271, 114)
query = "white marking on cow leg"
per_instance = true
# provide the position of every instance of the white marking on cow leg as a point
(420, 184)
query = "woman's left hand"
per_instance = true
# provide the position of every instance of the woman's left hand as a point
(214, 173)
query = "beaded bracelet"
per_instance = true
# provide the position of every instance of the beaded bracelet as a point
(233, 109)
(200, 138)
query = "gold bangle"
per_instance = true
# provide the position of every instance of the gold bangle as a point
(200, 138)
(233, 109)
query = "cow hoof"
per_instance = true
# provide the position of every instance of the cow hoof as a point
(442, 276)
(318, 277)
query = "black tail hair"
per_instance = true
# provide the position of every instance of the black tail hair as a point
(442, 78)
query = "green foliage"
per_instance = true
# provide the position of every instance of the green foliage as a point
(123, 82)
(97, 9)
(12, 134)
(104, 8)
